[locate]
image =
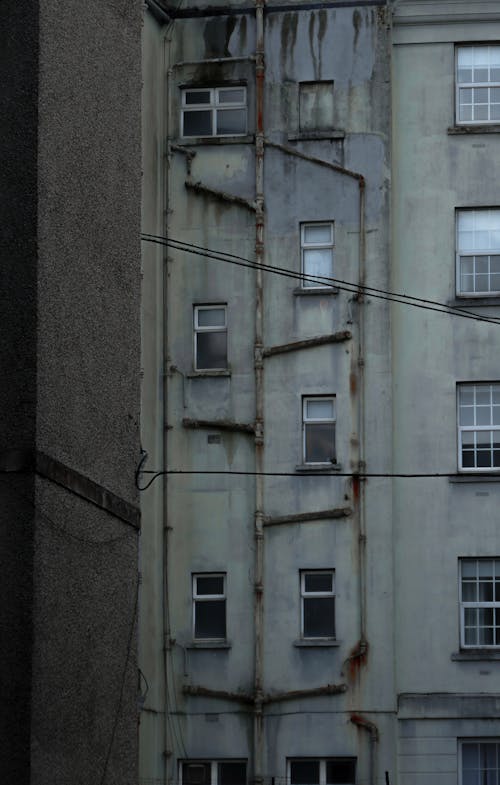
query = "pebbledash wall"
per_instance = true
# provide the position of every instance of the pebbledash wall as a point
(351, 127)
(69, 522)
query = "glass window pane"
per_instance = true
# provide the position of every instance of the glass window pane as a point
(469, 591)
(210, 619)
(304, 772)
(483, 415)
(209, 584)
(466, 418)
(469, 568)
(231, 121)
(232, 773)
(465, 75)
(320, 443)
(211, 351)
(318, 233)
(318, 263)
(233, 95)
(211, 317)
(319, 409)
(193, 97)
(319, 617)
(485, 568)
(466, 394)
(198, 123)
(340, 772)
(196, 773)
(464, 56)
(481, 113)
(318, 581)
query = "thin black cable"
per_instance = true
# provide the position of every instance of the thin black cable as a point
(337, 283)
(122, 686)
(350, 475)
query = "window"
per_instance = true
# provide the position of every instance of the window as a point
(479, 427)
(316, 106)
(319, 429)
(210, 337)
(478, 84)
(478, 252)
(480, 602)
(317, 243)
(209, 606)
(317, 591)
(479, 761)
(214, 111)
(325, 771)
(213, 772)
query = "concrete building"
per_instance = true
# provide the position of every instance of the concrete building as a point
(308, 615)
(70, 358)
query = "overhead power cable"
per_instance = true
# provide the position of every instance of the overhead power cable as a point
(327, 282)
(350, 475)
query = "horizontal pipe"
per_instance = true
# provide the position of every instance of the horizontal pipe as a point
(303, 517)
(319, 161)
(205, 692)
(219, 425)
(328, 689)
(225, 197)
(319, 340)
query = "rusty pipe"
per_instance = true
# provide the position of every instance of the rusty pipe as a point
(368, 725)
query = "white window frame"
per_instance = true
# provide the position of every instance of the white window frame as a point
(214, 106)
(199, 598)
(314, 595)
(197, 329)
(308, 246)
(477, 429)
(479, 741)
(479, 604)
(306, 420)
(322, 766)
(214, 767)
(474, 86)
(476, 253)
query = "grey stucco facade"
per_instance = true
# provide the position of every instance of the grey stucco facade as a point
(385, 160)
(70, 196)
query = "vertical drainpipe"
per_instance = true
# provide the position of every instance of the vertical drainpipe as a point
(259, 390)
(361, 412)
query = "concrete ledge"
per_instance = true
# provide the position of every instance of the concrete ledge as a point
(474, 302)
(204, 374)
(208, 645)
(467, 478)
(465, 130)
(476, 655)
(320, 290)
(319, 468)
(450, 705)
(319, 644)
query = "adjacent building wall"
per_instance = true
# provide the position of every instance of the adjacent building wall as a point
(70, 210)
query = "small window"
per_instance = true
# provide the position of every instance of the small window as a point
(317, 590)
(209, 606)
(210, 337)
(213, 772)
(479, 761)
(480, 603)
(316, 106)
(317, 242)
(323, 771)
(478, 252)
(319, 429)
(479, 427)
(478, 85)
(214, 111)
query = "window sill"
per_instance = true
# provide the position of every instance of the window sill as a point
(316, 136)
(320, 643)
(322, 468)
(465, 478)
(209, 645)
(196, 141)
(474, 302)
(319, 290)
(464, 130)
(203, 374)
(475, 655)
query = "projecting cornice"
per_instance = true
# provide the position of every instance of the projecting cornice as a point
(433, 12)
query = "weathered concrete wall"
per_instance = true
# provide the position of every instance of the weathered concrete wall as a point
(71, 204)
(437, 521)
(210, 518)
